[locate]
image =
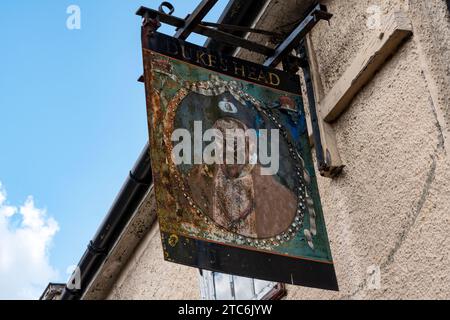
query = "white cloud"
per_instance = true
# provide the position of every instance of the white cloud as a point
(26, 234)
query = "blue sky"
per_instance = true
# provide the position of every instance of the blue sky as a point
(72, 117)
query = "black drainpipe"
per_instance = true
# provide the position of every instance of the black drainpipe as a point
(130, 196)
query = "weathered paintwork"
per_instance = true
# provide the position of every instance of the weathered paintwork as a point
(208, 217)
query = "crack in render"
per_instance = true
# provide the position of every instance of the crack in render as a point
(423, 198)
(425, 192)
(441, 138)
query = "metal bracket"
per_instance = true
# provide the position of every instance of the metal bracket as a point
(194, 24)
(229, 27)
(319, 12)
(321, 163)
(282, 53)
(195, 18)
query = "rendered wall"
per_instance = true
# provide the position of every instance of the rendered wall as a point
(148, 277)
(391, 206)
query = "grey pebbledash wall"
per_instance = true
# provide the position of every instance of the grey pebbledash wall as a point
(390, 209)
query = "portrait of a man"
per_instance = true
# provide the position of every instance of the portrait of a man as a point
(256, 205)
(236, 196)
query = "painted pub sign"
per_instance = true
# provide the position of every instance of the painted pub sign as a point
(234, 178)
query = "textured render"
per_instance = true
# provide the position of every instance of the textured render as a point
(432, 23)
(394, 152)
(148, 277)
(391, 206)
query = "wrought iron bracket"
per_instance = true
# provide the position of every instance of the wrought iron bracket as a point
(283, 53)
(283, 50)
(305, 66)
(194, 24)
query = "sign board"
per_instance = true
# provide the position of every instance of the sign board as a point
(234, 178)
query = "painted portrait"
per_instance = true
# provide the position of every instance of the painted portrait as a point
(257, 209)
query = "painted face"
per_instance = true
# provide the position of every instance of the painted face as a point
(236, 140)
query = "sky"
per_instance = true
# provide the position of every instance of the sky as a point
(72, 124)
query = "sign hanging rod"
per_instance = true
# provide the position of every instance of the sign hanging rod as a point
(193, 24)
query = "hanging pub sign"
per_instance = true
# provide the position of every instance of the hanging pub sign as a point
(234, 178)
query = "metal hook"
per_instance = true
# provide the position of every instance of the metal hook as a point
(168, 6)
